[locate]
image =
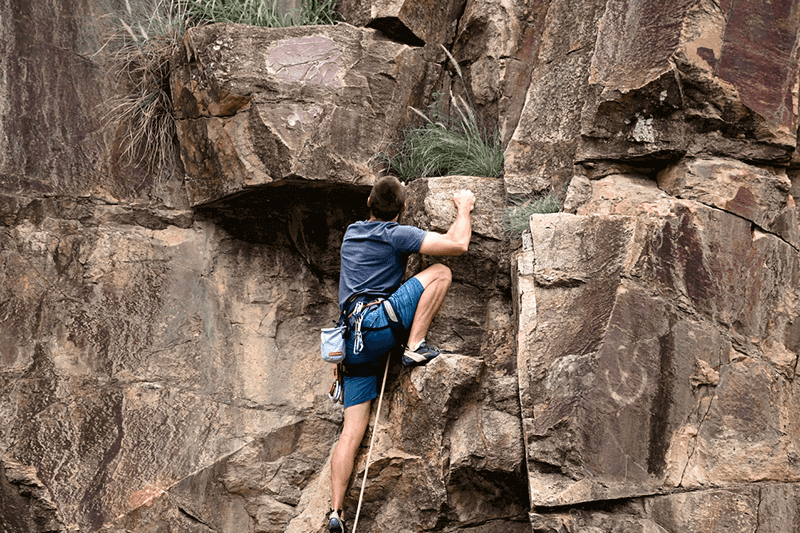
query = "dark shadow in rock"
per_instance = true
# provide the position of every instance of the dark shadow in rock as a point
(395, 30)
(310, 217)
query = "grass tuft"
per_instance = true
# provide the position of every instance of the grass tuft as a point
(447, 144)
(147, 34)
(516, 216)
(260, 12)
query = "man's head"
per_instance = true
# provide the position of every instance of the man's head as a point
(387, 199)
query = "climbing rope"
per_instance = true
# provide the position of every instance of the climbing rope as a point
(371, 442)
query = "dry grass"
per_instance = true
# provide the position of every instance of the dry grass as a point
(147, 35)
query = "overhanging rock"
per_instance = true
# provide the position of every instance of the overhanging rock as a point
(258, 105)
(412, 22)
(693, 78)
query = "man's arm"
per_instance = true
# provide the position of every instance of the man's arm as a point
(456, 240)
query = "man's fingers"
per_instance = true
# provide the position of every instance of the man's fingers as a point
(465, 197)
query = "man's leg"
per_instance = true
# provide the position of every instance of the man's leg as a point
(356, 419)
(436, 281)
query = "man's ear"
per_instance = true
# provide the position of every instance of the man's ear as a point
(368, 201)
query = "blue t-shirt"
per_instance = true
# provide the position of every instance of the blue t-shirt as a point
(374, 257)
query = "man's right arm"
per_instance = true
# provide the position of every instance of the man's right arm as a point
(456, 240)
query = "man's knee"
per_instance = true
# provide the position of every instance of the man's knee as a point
(436, 272)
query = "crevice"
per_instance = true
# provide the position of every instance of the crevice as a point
(166, 490)
(188, 514)
(694, 439)
(394, 29)
(758, 510)
(753, 225)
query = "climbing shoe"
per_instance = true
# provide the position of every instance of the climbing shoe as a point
(335, 522)
(421, 355)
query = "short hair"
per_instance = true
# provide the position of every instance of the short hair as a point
(387, 198)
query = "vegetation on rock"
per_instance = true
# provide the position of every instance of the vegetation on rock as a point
(147, 34)
(516, 217)
(455, 143)
(260, 12)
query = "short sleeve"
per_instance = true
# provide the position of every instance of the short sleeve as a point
(407, 239)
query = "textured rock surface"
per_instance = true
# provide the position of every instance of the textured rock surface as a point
(258, 105)
(541, 153)
(628, 365)
(415, 23)
(693, 77)
(655, 82)
(657, 343)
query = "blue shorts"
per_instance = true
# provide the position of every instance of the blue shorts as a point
(378, 342)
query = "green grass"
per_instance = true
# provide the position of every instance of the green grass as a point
(146, 35)
(516, 216)
(447, 144)
(260, 12)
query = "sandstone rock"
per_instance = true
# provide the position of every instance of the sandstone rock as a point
(496, 47)
(256, 106)
(736, 509)
(669, 80)
(442, 448)
(129, 382)
(541, 153)
(405, 21)
(159, 366)
(57, 110)
(480, 273)
(625, 194)
(645, 363)
(186, 379)
(753, 193)
(27, 504)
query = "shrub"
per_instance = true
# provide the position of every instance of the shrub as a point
(447, 144)
(516, 217)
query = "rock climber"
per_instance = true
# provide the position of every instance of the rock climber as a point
(373, 262)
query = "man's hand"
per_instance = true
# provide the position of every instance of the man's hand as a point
(464, 199)
(456, 240)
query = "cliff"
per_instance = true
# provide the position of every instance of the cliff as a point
(628, 364)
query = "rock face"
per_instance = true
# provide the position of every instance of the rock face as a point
(628, 364)
(658, 82)
(256, 106)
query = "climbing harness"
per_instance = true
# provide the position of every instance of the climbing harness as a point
(371, 442)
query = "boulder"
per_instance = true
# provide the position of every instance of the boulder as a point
(692, 78)
(260, 105)
(632, 360)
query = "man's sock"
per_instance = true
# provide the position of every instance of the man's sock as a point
(414, 348)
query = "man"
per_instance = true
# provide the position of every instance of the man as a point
(373, 262)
